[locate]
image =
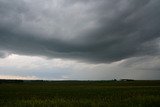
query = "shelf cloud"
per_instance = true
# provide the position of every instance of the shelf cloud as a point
(91, 31)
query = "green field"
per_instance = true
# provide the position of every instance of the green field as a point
(81, 94)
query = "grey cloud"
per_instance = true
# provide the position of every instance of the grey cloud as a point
(89, 30)
(3, 54)
(146, 63)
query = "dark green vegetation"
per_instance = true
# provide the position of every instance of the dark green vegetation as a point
(81, 94)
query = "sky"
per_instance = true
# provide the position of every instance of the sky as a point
(80, 39)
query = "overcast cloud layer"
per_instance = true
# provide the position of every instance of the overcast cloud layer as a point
(95, 31)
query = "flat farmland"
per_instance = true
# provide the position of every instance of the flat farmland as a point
(80, 94)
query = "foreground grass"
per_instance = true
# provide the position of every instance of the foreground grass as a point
(81, 94)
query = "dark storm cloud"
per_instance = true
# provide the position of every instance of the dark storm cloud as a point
(89, 30)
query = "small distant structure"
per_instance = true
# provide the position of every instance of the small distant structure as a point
(114, 79)
(126, 80)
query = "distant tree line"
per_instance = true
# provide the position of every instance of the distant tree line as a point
(10, 81)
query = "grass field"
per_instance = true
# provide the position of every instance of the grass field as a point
(81, 94)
